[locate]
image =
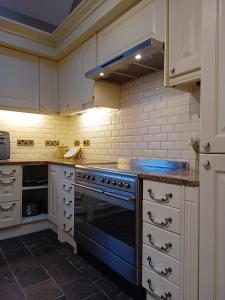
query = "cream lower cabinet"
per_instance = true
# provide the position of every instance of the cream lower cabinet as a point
(170, 241)
(53, 193)
(183, 41)
(19, 80)
(212, 227)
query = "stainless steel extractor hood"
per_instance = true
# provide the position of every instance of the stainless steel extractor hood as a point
(142, 59)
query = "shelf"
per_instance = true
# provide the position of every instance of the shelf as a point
(40, 217)
(36, 187)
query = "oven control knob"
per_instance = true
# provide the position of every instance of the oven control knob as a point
(92, 178)
(113, 182)
(102, 179)
(126, 185)
(107, 181)
(120, 183)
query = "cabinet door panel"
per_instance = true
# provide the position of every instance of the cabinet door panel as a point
(19, 79)
(53, 194)
(212, 226)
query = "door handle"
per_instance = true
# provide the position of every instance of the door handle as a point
(8, 174)
(159, 245)
(166, 199)
(165, 223)
(159, 270)
(159, 295)
(7, 182)
(87, 188)
(119, 197)
(7, 207)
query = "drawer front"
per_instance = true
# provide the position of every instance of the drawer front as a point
(68, 226)
(67, 212)
(163, 241)
(158, 287)
(162, 193)
(67, 199)
(162, 216)
(67, 187)
(10, 189)
(161, 264)
(9, 214)
(8, 171)
(68, 173)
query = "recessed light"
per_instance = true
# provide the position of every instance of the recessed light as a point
(101, 74)
(138, 56)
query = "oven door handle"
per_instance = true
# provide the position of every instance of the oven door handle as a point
(87, 188)
(119, 197)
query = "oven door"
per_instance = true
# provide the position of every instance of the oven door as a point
(107, 218)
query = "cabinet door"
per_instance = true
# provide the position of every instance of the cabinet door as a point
(70, 82)
(212, 228)
(19, 79)
(213, 74)
(53, 193)
(184, 36)
(88, 52)
(144, 20)
(48, 85)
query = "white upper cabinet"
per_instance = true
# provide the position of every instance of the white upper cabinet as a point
(48, 86)
(213, 74)
(144, 20)
(183, 41)
(19, 80)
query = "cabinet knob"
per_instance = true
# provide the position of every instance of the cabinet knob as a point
(172, 70)
(205, 145)
(205, 163)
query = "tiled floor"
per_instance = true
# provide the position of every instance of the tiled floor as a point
(38, 267)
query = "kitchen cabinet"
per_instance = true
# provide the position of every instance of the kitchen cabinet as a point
(170, 241)
(183, 41)
(53, 193)
(19, 80)
(144, 20)
(48, 86)
(213, 73)
(212, 225)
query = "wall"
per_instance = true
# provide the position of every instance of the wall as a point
(154, 122)
(34, 126)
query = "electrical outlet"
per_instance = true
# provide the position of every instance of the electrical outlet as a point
(86, 143)
(51, 143)
(25, 143)
(76, 143)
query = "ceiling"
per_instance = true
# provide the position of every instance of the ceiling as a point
(45, 15)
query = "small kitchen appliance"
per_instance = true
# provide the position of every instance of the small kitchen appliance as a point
(4, 145)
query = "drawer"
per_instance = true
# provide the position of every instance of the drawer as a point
(10, 214)
(163, 193)
(67, 212)
(67, 187)
(159, 288)
(165, 217)
(68, 173)
(10, 189)
(7, 171)
(161, 240)
(161, 264)
(67, 199)
(68, 226)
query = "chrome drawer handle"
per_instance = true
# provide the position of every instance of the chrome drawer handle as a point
(7, 174)
(158, 270)
(158, 294)
(159, 246)
(67, 189)
(67, 216)
(68, 175)
(7, 182)
(158, 222)
(7, 207)
(66, 229)
(165, 200)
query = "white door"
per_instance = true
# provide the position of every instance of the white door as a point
(184, 36)
(212, 227)
(213, 74)
(48, 85)
(19, 79)
(53, 186)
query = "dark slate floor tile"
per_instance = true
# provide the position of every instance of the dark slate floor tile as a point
(67, 249)
(36, 243)
(31, 236)
(43, 251)
(78, 261)
(98, 296)
(45, 290)
(25, 265)
(108, 287)
(122, 296)
(3, 265)
(27, 279)
(62, 298)
(64, 273)
(12, 244)
(79, 289)
(6, 278)
(91, 273)
(49, 235)
(17, 255)
(52, 259)
(12, 292)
